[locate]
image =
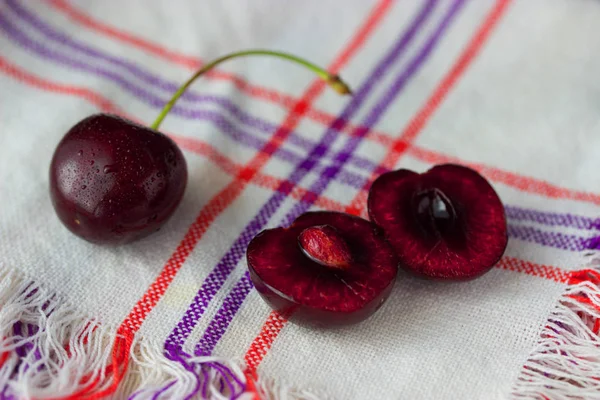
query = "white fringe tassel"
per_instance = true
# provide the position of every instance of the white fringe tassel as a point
(48, 346)
(566, 363)
(155, 373)
(49, 349)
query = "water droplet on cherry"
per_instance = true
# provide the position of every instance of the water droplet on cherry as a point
(109, 169)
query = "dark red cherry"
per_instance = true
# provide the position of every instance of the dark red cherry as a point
(327, 268)
(113, 181)
(447, 223)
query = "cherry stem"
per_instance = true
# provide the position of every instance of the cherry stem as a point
(334, 81)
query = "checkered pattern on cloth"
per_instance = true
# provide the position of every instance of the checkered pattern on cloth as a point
(506, 87)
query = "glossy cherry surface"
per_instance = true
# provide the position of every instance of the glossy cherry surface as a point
(113, 181)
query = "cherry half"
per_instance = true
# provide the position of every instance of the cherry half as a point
(113, 181)
(327, 268)
(447, 223)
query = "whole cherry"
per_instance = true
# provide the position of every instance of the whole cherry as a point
(113, 181)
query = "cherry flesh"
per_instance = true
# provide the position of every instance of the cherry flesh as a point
(447, 223)
(113, 181)
(327, 268)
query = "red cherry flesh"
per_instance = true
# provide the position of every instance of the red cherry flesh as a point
(447, 223)
(343, 286)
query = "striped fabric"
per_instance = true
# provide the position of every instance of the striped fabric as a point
(505, 87)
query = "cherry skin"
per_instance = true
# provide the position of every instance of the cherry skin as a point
(113, 181)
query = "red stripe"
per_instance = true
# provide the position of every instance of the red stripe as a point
(39, 83)
(221, 160)
(259, 179)
(122, 36)
(416, 125)
(519, 182)
(193, 63)
(271, 182)
(3, 358)
(529, 268)
(224, 198)
(207, 215)
(259, 347)
(585, 275)
(189, 62)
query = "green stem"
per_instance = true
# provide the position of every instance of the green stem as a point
(332, 80)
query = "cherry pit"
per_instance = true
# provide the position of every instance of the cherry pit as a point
(113, 181)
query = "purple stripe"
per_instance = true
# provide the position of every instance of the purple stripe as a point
(20, 38)
(57, 36)
(262, 126)
(18, 332)
(234, 300)
(217, 277)
(265, 127)
(25, 41)
(4, 395)
(549, 239)
(593, 243)
(227, 127)
(136, 90)
(552, 219)
(224, 316)
(228, 378)
(204, 385)
(375, 114)
(52, 34)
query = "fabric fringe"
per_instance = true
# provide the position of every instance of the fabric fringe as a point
(50, 350)
(566, 362)
(208, 377)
